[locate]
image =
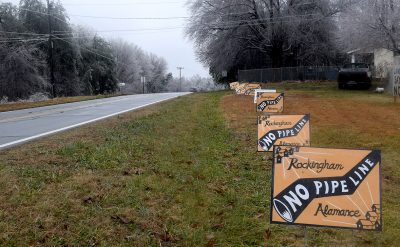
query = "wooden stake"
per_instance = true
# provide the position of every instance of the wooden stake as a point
(305, 237)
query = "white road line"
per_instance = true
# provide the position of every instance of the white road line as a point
(55, 111)
(10, 144)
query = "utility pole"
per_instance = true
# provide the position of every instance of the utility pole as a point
(180, 77)
(143, 79)
(51, 47)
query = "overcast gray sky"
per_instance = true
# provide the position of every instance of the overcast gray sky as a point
(169, 43)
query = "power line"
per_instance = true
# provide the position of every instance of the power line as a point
(124, 4)
(124, 30)
(11, 39)
(93, 52)
(222, 25)
(180, 77)
(28, 34)
(41, 13)
(180, 17)
(131, 18)
(161, 18)
(22, 40)
(51, 51)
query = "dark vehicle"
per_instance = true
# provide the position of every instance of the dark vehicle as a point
(355, 74)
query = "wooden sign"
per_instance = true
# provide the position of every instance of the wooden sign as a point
(291, 130)
(250, 89)
(241, 88)
(234, 85)
(270, 102)
(326, 187)
(257, 92)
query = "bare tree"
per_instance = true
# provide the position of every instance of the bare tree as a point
(128, 58)
(371, 24)
(133, 63)
(263, 33)
(19, 71)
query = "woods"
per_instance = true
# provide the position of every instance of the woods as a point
(42, 52)
(371, 24)
(254, 34)
(83, 63)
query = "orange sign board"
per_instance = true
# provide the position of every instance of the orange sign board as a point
(241, 88)
(326, 187)
(234, 85)
(293, 130)
(250, 89)
(270, 102)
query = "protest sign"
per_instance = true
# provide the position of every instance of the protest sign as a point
(234, 85)
(283, 130)
(250, 89)
(270, 102)
(258, 91)
(326, 187)
(241, 88)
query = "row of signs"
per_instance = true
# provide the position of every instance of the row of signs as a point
(316, 186)
(326, 187)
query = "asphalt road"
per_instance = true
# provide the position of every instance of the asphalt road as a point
(17, 127)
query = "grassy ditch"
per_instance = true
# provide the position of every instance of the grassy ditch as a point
(185, 173)
(174, 176)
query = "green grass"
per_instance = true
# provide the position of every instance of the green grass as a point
(330, 89)
(176, 177)
(196, 185)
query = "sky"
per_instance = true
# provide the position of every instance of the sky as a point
(169, 43)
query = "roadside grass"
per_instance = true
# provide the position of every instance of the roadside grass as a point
(176, 177)
(321, 89)
(13, 106)
(185, 173)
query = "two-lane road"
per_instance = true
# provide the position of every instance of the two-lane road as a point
(17, 127)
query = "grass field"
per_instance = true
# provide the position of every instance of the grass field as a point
(62, 100)
(185, 173)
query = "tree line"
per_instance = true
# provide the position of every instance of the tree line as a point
(253, 34)
(83, 63)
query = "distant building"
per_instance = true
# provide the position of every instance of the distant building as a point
(381, 60)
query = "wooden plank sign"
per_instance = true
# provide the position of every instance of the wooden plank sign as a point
(270, 102)
(250, 89)
(241, 89)
(291, 130)
(234, 85)
(259, 91)
(326, 187)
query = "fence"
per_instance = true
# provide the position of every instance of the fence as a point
(289, 74)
